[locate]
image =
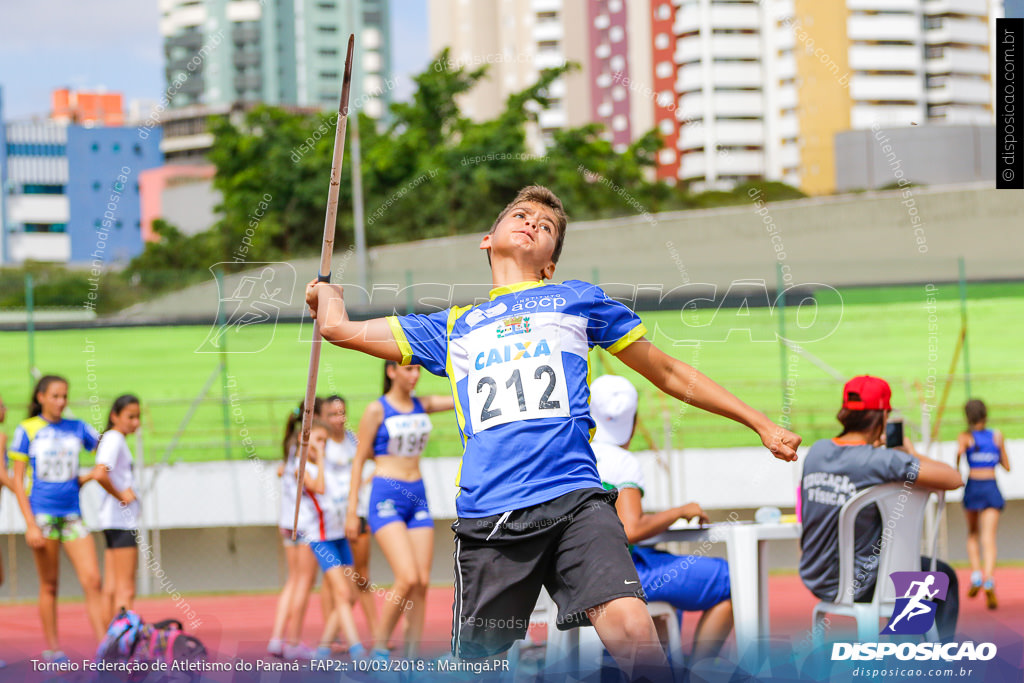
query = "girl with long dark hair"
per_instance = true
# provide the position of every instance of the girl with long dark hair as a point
(119, 508)
(50, 445)
(394, 431)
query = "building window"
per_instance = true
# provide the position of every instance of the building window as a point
(36, 188)
(326, 5)
(46, 227)
(663, 12)
(661, 41)
(615, 34)
(327, 29)
(547, 46)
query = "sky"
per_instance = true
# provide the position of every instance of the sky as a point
(116, 44)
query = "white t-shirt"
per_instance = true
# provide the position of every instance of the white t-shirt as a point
(317, 520)
(340, 456)
(363, 508)
(617, 467)
(338, 477)
(113, 453)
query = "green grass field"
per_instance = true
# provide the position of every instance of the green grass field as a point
(883, 331)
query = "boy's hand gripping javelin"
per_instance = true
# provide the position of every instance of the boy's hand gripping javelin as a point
(324, 275)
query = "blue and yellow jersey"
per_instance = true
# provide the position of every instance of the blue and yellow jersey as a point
(51, 449)
(519, 371)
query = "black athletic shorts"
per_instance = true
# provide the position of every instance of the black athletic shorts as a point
(573, 545)
(120, 538)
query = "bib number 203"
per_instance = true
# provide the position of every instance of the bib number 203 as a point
(548, 382)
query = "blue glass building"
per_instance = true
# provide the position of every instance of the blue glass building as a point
(103, 191)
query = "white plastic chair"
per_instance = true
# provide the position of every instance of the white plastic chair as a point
(901, 552)
(585, 641)
(543, 613)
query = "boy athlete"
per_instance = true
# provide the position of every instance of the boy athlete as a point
(531, 507)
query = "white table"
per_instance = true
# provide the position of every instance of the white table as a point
(746, 547)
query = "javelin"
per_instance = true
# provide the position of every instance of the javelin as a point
(324, 275)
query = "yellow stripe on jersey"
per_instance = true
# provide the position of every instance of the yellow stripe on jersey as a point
(31, 426)
(454, 313)
(399, 335)
(628, 338)
(517, 287)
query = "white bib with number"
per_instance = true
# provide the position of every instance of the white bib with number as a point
(516, 376)
(407, 433)
(57, 459)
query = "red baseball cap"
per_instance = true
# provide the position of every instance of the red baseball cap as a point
(873, 393)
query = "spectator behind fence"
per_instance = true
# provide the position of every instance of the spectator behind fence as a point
(837, 469)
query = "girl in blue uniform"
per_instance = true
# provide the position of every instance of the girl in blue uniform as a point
(394, 431)
(49, 445)
(985, 450)
(5, 479)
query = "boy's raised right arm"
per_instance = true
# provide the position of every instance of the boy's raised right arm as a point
(374, 337)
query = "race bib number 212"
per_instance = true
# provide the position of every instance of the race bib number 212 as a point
(521, 378)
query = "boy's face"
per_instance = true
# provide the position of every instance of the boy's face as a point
(528, 228)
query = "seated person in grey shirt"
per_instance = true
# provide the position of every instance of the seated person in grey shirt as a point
(837, 469)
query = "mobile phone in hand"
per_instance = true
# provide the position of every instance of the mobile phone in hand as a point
(894, 435)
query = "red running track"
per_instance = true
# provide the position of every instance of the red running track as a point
(237, 626)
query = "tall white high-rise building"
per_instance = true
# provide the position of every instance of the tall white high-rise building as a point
(763, 87)
(289, 52)
(738, 89)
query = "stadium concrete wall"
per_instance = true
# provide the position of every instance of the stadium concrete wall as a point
(910, 236)
(212, 527)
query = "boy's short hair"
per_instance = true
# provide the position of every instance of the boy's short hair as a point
(540, 195)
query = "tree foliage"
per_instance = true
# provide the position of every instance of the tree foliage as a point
(429, 172)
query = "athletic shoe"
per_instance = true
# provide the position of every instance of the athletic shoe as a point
(357, 651)
(275, 647)
(975, 584)
(55, 657)
(990, 594)
(380, 655)
(299, 651)
(322, 652)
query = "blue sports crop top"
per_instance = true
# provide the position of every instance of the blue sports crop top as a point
(984, 452)
(402, 433)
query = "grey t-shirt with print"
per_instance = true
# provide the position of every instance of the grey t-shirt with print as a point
(832, 475)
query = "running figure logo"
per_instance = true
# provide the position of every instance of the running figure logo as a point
(914, 613)
(254, 298)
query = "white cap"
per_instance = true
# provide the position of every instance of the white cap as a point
(613, 401)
